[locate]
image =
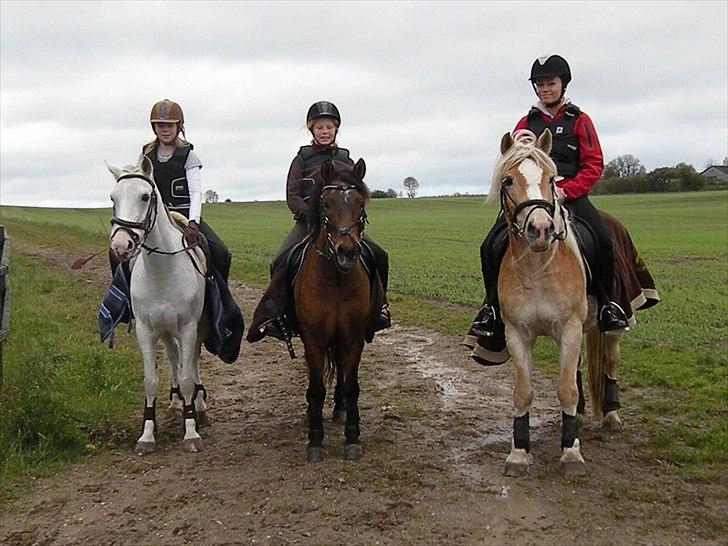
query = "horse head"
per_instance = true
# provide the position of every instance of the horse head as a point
(337, 210)
(135, 207)
(523, 181)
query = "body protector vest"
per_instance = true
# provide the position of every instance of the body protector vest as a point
(171, 179)
(313, 157)
(565, 150)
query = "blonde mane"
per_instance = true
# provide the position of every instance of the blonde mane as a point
(523, 148)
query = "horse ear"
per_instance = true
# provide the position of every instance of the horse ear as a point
(545, 141)
(328, 172)
(116, 171)
(360, 169)
(506, 143)
(146, 165)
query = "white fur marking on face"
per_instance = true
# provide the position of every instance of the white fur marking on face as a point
(532, 173)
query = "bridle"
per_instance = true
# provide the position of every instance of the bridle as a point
(329, 227)
(146, 225)
(549, 206)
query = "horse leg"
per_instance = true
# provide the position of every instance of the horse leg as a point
(347, 360)
(572, 463)
(200, 395)
(147, 344)
(192, 441)
(520, 345)
(170, 347)
(610, 405)
(339, 401)
(581, 404)
(315, 396)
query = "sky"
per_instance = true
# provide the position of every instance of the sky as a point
(425, 89)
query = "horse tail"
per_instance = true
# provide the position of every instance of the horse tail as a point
(331, 363)
(597, 360)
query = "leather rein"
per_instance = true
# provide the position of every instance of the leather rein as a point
(550, 207)
(146, 225)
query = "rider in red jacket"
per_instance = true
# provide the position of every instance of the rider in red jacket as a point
(579, 163)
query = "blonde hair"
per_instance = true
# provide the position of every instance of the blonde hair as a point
(178, 143)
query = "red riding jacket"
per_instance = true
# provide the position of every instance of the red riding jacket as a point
(591, 160)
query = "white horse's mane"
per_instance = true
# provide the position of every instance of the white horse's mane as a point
(523, 148)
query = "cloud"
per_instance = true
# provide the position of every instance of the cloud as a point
(426, 89)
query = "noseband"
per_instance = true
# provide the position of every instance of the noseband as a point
(329, 227)
(549, 206)
(150, 217)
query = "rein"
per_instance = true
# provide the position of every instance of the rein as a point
(549, 206)
(146, 225)
(328, 226)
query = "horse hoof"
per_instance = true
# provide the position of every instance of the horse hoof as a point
(352, 452)
(515, 470)
(314, 454)
(202, 419)
(612, 422)
(192, 445)
(145, 448)
(573, 468)
(339, 416)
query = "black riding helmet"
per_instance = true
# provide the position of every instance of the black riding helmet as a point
(551, 65)
(323, 109)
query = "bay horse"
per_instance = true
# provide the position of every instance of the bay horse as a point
(332, 303)
(542, 292)
(167, 295)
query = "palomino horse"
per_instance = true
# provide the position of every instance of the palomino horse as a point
(332, 302)
(542, 292)
(167, 295)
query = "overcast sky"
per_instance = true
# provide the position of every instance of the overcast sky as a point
(425, 89)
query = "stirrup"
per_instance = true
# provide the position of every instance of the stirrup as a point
(486, 326)
(384, 320)
(612, 317)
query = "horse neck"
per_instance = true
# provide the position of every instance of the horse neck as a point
(163, 234)
(533, 264)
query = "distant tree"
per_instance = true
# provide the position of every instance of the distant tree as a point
(624, 166)
(411, 185)
(391, 193)
(378, 194)
(725, 160)
(228, 200)
(211, 197)
(710, 162)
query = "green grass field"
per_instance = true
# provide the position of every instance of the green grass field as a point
(678, 350)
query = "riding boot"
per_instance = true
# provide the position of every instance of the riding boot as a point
(268, 318)
(492, 251)
(381, 261)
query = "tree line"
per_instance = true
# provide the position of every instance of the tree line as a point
(626, 174)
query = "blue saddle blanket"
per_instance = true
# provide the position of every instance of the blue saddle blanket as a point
(225, 322)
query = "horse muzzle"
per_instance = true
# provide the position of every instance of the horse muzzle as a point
(346, 256)
(540, 233)
(123, 245)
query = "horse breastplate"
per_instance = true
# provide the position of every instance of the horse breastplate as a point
(565, 150)
(171, 179)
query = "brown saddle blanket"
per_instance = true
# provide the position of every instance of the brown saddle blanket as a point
(634, 290)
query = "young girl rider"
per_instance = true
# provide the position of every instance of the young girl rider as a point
(579, 161)
(177, 175)
(323, 121)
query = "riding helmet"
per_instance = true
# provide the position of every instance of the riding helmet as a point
(321, 109)
(551, 65)
(167, 111)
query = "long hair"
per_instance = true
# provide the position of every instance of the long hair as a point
(179, 142)
(523, 148)
(344, 177)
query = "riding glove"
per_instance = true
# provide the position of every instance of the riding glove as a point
(192, 233)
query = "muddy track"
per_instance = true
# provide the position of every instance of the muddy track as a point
(435, 433)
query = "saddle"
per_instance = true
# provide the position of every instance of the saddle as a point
(278, 304)
(634, 288)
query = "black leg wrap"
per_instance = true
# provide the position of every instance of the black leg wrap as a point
(175, 390)
(199, 387)
(611, 395)
(351, 433)
(521, 439)
(150, 414)
(188, 412)
(581, 404)
(569, 430)
(316, 437)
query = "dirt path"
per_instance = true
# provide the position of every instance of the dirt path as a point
(435, 432)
